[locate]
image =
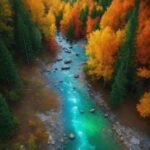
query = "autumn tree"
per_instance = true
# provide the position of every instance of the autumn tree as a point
(116, 13)
(43, 14)
(125, 69)
(144, 105)
(143, 32)
(67, 18)
(101, 49)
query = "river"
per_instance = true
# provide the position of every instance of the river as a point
(92, 130)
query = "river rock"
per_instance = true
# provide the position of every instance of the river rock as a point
(67, 61)
(76, 76)
(71, 136)
(67, 51)
(77, 54)
(64, 135)
(81, 111)
(65, 68)
(62, 140)
(49, 139)
(53, 142)
(135, 141)
(106, 115)
(59, 59)
(92, 110)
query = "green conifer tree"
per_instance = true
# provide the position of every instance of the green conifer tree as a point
(28, 37)
(83, 16)
(125, 69)
(8, 73)
(69, 32)
(7, 124)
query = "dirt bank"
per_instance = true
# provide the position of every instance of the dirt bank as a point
(37, 98)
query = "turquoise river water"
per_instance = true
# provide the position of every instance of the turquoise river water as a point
(92, 130)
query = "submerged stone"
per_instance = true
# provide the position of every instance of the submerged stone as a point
(81, 111)
(92, 110)
(76, 76)
(71, 136)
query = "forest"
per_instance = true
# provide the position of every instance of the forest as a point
(117, 34)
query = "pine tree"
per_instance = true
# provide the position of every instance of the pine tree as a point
(96, 26)
(94, 12)
(69, 32)
(104, 3)
(125, 69)
(7, 124)
(8, 74)
(27, 35)
(83, 16)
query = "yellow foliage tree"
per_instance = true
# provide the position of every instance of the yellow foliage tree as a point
(43, 15)
(67, 17)
(144, 106)
(101, 49)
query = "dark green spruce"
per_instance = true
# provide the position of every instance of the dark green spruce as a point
(125, 69)
(8, 74)
(7, 123)
(27, 36)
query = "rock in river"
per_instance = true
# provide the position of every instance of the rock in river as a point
(67, 51)
(77, 54)
(65, 68)
(106, 115)
(135, 141)
(71, 136)
(81, 111)
(92, 110)
(67, 61)
(59, 59)
(76, 76)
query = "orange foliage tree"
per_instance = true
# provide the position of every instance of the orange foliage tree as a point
(143, 34)
(116, 13)
(90, 24)
(76, 21)
(144, 106)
